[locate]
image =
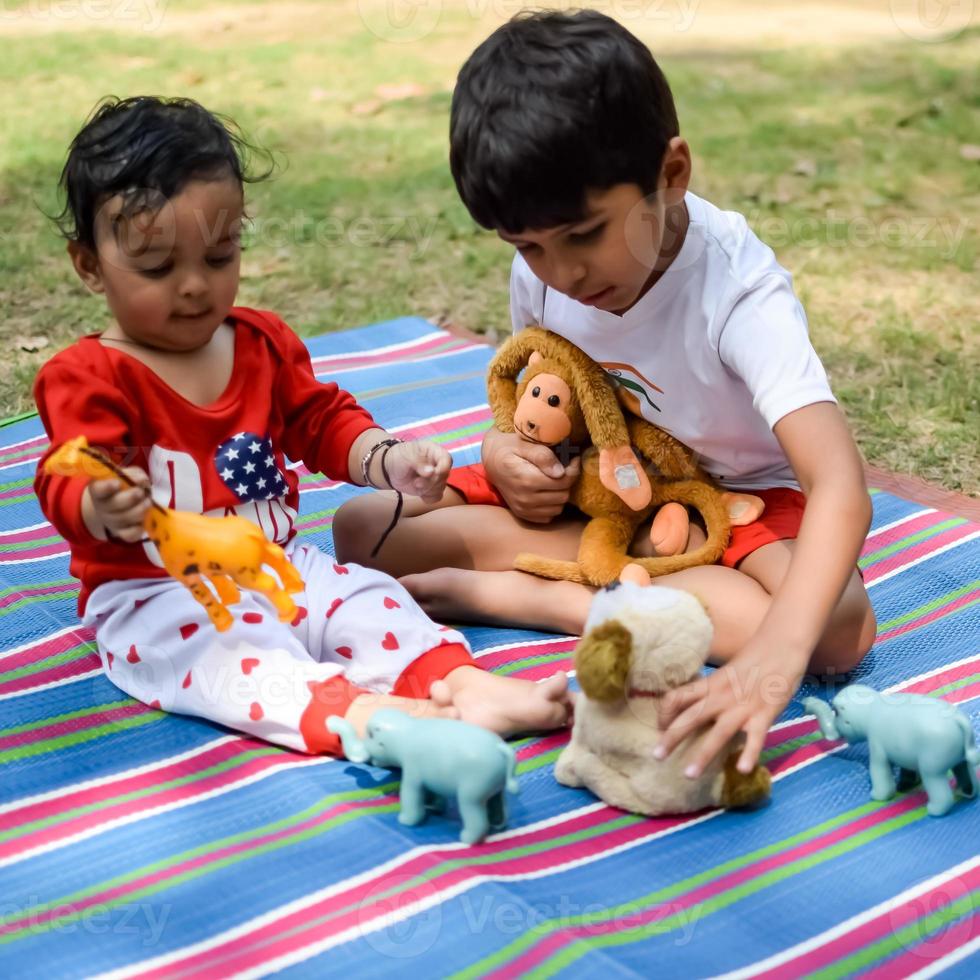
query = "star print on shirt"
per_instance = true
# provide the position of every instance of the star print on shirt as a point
(247, 466)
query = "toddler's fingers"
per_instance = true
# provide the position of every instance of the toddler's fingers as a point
(137, 475)
(125, 500)
(130, 534)
(103, 489)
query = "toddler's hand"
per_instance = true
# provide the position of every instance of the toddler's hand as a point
(419, 468)
(116, 507)
(530, 477)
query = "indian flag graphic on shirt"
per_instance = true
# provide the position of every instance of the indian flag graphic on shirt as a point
(631, 392)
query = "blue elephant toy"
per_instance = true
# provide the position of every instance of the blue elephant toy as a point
(925, 737)
(439, 758)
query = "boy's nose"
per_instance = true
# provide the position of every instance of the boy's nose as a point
(567, 276)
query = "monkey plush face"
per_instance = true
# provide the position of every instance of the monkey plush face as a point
(547, 409)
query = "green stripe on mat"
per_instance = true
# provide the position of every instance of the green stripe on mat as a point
(910, 935)
(233, 762)
(13, 419)
(928, 532)
(665, 894)
(928, 607)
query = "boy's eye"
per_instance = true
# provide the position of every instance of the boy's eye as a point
(587, 236)
(218, 261)
(526, 248)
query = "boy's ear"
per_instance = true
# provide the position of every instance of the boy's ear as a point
(675, 171)
(86, 264)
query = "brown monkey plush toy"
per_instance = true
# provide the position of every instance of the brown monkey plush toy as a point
(564, 399)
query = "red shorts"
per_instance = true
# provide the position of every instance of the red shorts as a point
(780, 521)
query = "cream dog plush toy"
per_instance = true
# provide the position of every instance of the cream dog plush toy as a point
(639, 643)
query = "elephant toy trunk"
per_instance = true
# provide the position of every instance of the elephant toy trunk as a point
(354, 748)
(825, 717)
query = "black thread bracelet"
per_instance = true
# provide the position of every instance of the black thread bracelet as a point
(398, 501)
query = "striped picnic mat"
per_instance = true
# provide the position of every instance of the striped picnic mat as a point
(136, 843)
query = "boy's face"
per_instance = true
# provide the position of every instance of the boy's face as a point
(169, 275)
(610, 257)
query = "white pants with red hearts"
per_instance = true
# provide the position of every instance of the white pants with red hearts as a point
(357, 630)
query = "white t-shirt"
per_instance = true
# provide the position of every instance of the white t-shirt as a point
(716, 352)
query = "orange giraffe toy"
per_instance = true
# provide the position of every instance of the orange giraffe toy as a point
(227, 551)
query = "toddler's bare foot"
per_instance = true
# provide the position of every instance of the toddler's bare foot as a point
(506, 705)
(636, 574)
(669, 530)
(503, 598)
(439, 704)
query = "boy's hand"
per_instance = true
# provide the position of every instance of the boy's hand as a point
(419, 468)
(530, 477)
(112, 506)
(745, 695)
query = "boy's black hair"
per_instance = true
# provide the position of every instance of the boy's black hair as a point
(552, 105)
(147, 149)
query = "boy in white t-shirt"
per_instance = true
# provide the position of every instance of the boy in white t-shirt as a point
(565, 141)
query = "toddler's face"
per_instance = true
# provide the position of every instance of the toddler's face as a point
(606, 259)
(170, 275)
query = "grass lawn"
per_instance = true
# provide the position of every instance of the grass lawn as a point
(848, 142)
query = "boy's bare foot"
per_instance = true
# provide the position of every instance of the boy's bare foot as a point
(501, 598)
(506, 705)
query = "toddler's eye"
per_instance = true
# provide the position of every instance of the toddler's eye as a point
(554, 401)
(156, 273)
(220, 260)
(535, 392)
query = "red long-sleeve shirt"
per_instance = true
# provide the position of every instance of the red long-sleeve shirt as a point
(223, 458)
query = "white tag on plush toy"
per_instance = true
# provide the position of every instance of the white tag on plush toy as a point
(627, 478)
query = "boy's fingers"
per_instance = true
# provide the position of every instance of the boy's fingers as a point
(688, 721)
(542, 458)
(753, 749)
(715, 740)
(680, 698)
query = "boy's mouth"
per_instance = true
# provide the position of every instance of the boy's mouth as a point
(596, 298)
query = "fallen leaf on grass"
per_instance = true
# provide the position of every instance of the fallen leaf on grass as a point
(30, 344)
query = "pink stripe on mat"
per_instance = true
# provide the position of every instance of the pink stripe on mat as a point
(920, 550)
(931, 617)
(562, 937)
(401, 353)
(46, 648)
(889, 921)
(881, 539)
(74, 668)
(361, 904)
(70, 727)
(164, 797)
(29, 592)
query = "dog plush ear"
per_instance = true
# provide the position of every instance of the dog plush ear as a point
(602, 661)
